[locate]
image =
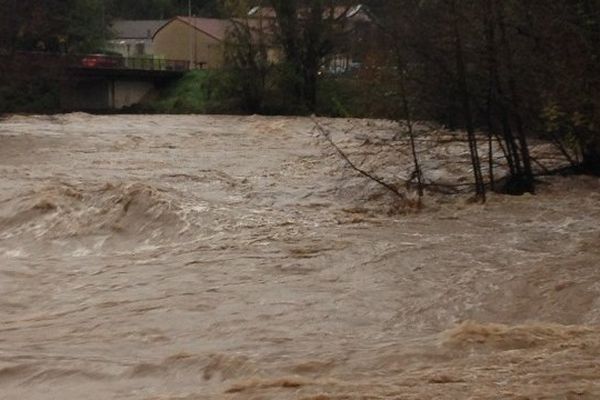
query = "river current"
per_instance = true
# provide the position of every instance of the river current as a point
(223, 257)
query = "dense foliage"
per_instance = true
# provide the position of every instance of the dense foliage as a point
(52, 25)
(161, 9)
(515, 69)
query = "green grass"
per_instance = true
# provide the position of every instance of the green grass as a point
(190, 94)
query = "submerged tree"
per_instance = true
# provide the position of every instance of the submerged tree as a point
(518, 70)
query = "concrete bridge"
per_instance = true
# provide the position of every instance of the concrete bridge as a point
(100, 82)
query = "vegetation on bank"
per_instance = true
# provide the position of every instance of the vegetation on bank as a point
(33, 96)
(220, 92)
(190, 94)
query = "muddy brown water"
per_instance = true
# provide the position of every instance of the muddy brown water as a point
(217, 257)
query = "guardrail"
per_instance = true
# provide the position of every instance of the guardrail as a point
(101, 61)
(97, 61)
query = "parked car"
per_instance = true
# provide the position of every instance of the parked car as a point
(103, 60)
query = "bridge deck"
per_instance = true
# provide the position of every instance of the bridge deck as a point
(102, 65)
(86, 72)
(127, 67)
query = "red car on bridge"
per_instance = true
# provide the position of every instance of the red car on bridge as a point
(101, 60)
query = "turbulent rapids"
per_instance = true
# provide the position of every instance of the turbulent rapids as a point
(216, 257)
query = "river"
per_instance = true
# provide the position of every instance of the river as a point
(225, 257)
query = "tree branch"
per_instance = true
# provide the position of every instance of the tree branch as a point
(386, 185)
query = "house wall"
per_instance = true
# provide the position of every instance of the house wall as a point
(132, 47)
(177, 40)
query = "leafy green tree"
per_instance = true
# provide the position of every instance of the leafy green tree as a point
(162, 9)
(53, 25)
(85, 25)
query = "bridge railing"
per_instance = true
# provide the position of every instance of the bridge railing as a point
(101, 61)
(152, 64)
(96, 61)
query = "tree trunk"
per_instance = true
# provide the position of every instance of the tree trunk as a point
(463, 88)
(525, 182)
(591, 158)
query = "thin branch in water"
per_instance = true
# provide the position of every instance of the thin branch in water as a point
(539, 164)
(386, 185)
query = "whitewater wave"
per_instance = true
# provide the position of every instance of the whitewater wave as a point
(505, 337)
(63, 210)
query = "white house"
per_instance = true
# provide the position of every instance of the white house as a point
(135, 38)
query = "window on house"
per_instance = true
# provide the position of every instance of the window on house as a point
(139, 49)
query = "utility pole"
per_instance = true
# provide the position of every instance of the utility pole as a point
(103, 5)
(191, 34)
(14, 24)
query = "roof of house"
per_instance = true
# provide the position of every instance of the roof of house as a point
(216, 28)
(140, 29)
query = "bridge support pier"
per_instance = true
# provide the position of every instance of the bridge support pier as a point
(103, 89)
(103, 94)
(128, 93)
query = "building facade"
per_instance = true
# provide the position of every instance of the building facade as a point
(197, 40)
(134, 38)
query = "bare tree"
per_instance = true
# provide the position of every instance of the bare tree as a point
(306, 30)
